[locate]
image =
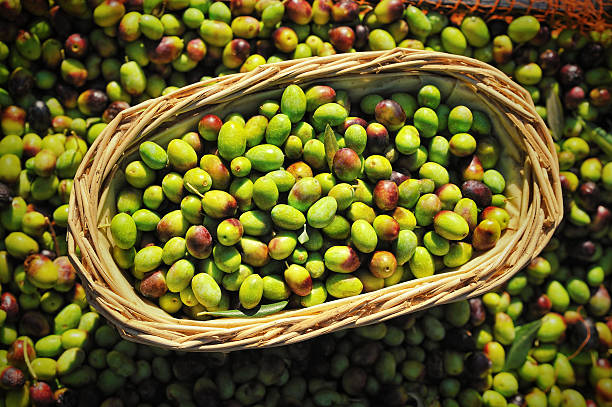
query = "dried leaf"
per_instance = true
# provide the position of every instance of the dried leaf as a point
(261, 311)
(303, 237)
(523, 341)
(331, 146)
(554, 113)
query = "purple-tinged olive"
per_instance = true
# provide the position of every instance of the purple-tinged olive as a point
(549, 61)
(346, 164)
(113, 110)
(298, 11)
(73, 72)
(34, 324)
(386, 195)
(199, 242)
(599, 303)
(390, 114)
(76, 46)
(378, 137)
(574, 97)
(342, 38)
(166, 50)
(591, 55)
(209, 127)
(478, 192)
(11, 378)
(67, 95)
(361, 35)
(571, 75)
(16, 354)
(92, 102)
(386, 227)
(235, 53)
(10, 305)
(321, 11)
(589, 195)
(13, 120)
(66, 274)
(399, 177)
(20, 82)
(601, 220)
(477, 312)
(153, 284)
(345, 11)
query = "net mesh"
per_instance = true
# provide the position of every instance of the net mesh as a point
(583, 15)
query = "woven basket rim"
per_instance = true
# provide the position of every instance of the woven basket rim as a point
(544, 209)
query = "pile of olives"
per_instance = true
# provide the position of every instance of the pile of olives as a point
(284, 223)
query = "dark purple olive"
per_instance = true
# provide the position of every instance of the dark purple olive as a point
(571, 75)
(20, 82)
(354, 381)
(67, 95)
(264, 48)
(549, 61)
(5, 195)
(398, 177)
(586, 250)
(582, 332)
(498, 27)
(10, 305)
(362, 33)
(113, 110)
(434, 365)
(460, 339)
(378, 137)
(542, 37)
(345, 11)
(477, 365)
(589, 195)
(39, 116)
(349, 121)
(477, 192)
(342, 38)
(591, 55)
(34, 324)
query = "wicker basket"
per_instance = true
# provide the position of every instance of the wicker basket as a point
(529, 164)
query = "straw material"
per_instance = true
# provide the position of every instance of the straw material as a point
(529, 163)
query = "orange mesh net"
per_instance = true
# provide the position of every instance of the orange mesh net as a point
(577, 14)
(583, 15)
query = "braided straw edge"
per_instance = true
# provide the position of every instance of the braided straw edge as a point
(114, 297)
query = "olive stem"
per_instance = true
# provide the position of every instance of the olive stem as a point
(195, 191)
(53, 235)
(27, 361)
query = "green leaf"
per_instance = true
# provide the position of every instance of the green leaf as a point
(523, 342)
(554, 112)
(331, 146)
(261, 311)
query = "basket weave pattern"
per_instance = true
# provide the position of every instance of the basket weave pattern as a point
(537, 203)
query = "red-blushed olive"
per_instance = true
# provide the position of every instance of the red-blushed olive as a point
(386, 195)
(573, 97)
(16, 355)
(298, 11)
(153, 284)
(386, 227)
(166, 50)
(388, 11)
(473, 171)
(10, 305)
(571, 75)
(378, 137)
(209, 126)
(41, 271)
(73, 72)
(498, 214)
(346, 164)
(92, 102)
(76, 46)
(342, 38)
(285, 39)
(478, 192)
(66, 274)
(298, 279)
(235, 53)
(390, 114)
(486, 234)
(319, 95)
(342, 259)
(41, 394)
(383, 264)
(196, 49)
(299, 170)
(345, 11)
(199, 241)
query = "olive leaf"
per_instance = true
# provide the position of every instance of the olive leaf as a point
(261, 311)
(331, 146)
(303, 237)
(523, 342)
(554, 112)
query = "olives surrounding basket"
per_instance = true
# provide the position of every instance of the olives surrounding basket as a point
(67, 68)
